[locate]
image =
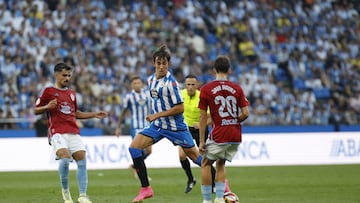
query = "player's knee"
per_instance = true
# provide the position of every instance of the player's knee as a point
(182, 155)
(63, 153)
(148, 151)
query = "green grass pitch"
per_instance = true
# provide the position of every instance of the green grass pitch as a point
(273, 184)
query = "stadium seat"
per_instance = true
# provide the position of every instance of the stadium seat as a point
(280, 75)
(299, 84)
(211, 39)
(322, 93)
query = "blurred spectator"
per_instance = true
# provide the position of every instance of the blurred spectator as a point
(41, 126)
(354, 101)
(335, 118)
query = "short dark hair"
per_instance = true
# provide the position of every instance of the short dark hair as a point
(191, 76)
(134, 77)
(222, 64)
(61, 66)
(162, 52)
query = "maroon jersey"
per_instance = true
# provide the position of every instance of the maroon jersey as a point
(62, 118)
(225, 100)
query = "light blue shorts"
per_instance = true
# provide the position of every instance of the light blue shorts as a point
(182, 138)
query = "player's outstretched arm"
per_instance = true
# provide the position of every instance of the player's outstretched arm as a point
(101, 114)
(86, 115)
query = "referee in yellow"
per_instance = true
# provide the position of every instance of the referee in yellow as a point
(191, 96)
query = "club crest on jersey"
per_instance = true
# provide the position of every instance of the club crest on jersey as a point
(142, 102)
(72, 97)
(65, 108)
(154, 93)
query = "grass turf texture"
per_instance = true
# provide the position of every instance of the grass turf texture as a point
(288, 184)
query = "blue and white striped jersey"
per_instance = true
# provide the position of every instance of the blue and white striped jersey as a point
(165, 93)
(139, 105)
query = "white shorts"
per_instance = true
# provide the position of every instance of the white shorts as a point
(224, 151)
(72, 142)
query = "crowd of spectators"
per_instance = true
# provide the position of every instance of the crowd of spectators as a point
(297, 61)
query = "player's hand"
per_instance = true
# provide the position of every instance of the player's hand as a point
(150, 118)
(52, 104)
(101, 114)
(117, 131)
(196, 125)
(202, 148)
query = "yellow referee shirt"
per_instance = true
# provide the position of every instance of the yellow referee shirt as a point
(191, 110)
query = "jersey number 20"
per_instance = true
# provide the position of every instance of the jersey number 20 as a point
(227, 106)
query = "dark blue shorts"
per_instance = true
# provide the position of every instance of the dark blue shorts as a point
(182, 138)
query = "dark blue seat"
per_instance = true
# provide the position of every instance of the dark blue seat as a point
(322, 93)
(299, 84)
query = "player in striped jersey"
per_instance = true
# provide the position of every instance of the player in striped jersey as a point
(167, 120)
(138, 102)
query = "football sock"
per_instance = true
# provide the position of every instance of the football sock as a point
(220, 189)
(64, 172)
(140, 168)
(82, 176)
(186, 166)
(137, 156)
(198, 160)
(135, 153)
(206, 191)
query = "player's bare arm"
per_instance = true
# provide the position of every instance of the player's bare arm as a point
(42, 109)
(85, 115)
(121, 118)
(208, 122)
(177, 109)
(244, 114)
(202, 127)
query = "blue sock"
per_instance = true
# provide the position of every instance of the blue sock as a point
(82, 176)
(136, 153)
(137, 156)
(64, 172)
(198, 160)
(220, 189)
(206, 191)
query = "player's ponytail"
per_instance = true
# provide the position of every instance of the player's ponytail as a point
(162, 52)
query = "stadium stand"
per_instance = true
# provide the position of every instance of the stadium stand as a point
(296, 60)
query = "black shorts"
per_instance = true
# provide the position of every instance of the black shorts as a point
(195, 134)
